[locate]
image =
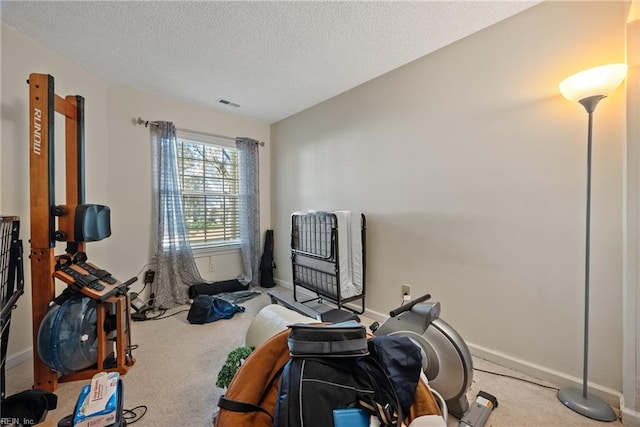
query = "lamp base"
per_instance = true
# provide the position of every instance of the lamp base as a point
(592, 407)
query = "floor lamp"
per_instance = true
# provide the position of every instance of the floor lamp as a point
(588, 88)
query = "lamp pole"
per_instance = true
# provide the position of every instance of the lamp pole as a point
(587, 404)
(589, 104)
(587, 263)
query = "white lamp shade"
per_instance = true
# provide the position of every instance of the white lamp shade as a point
(594, 81)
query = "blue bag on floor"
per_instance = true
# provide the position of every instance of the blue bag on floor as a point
(208, 308)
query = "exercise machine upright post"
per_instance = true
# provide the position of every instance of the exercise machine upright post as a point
(42, 164)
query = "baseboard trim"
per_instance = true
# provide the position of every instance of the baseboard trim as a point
(611, 396)
(17, 358)
(282, 283)
(630, 418)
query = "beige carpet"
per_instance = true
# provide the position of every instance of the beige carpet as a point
(177, 365)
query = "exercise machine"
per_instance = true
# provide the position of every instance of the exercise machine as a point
(102, 297)
(446, 359)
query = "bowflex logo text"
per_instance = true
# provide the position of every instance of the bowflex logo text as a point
(37, 131)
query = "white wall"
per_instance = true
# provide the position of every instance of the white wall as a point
(118, 165)
(470, 168)
(631, 289)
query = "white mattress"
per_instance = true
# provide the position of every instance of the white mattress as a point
(349, 253)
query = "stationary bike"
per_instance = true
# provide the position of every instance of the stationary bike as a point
(446, 359)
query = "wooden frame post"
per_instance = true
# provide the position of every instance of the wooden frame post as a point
(41, 162)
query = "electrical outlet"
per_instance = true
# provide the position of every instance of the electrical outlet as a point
(149, 275)
(406, 292)
(212, 268)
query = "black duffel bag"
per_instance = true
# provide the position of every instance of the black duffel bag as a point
(208, 308)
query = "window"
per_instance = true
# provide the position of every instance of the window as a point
(208, 179)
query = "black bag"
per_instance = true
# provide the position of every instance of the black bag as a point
(207, 309)
(29, 407)
(401, 360)
(232, 285)
(316, 381)
(266, 262)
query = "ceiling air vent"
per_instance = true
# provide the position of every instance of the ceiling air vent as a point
(229, 103)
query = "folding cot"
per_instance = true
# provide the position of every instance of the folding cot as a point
(328, 256)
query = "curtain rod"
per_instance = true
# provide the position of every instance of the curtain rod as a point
(147, 123)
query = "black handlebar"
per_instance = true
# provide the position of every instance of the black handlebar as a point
(130, 281)
(406, 307)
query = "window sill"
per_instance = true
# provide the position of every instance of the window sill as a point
(215, 249)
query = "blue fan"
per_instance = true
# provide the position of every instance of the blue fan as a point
(67, 338)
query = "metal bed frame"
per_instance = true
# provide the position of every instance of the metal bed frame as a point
(315, 258)
(11, 283)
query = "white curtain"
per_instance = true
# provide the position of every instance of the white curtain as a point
(249, 210)
(176, 268)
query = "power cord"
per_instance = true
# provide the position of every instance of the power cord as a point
(160, 316)
(516, 378)
(143, 267)
(141, 317)
(146, 279)
(131, 416)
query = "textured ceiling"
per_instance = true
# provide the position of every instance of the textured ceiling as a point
(274, 59)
